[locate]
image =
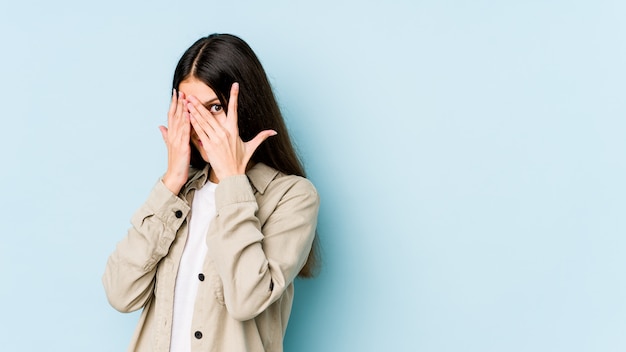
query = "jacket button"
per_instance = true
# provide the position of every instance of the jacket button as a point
(198, 335)
(179, 214)
(201, 277)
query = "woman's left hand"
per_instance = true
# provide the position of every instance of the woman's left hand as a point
(228, 154)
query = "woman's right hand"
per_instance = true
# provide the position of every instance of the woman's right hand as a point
(176, 138)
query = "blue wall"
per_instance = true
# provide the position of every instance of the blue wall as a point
(470, 156)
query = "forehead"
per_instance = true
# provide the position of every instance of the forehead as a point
(192, 86)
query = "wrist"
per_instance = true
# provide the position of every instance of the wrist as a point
(173, 183)
(215, 176)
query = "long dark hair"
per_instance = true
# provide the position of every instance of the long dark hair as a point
(220, 60)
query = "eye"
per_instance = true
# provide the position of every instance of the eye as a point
(215, 108)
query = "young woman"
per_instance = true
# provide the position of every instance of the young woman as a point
(212, 254)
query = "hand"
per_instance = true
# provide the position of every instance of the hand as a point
(176, 139)
(227, 153)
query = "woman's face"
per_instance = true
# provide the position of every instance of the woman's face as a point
(193, 87)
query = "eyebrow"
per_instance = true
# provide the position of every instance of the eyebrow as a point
(207, 104)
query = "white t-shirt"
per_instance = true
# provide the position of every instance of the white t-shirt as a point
(187, 281)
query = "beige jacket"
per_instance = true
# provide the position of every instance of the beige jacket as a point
(257, 244)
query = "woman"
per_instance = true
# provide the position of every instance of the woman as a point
(212, 254)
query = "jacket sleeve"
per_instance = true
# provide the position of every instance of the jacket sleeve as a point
(129, 276)
(257, 264)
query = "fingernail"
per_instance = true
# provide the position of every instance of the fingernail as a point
(173, 92)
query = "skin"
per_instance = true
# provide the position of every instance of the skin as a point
(197, 116)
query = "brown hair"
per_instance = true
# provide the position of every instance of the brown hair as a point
(219, 60)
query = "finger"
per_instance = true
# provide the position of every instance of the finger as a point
(205, 119)
(163, 130)
(178, 126)
(183, 129)
(180, 106)
(172, 110)
(186, 122)
(202, 128)
(199, 110)
(232, 105)
(204, 138)
(255, 142)
(173, 103)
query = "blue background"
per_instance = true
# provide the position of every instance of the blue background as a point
(469, 155)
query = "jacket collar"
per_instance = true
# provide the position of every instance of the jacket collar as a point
(260, 176)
